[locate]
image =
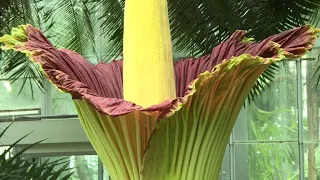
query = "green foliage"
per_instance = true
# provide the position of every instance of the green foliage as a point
(263, 83)
(15, 167)
(268, 159)
(15, 65)
(270, 121)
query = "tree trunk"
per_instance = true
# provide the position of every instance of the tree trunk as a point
(82, 169)
(313, 123)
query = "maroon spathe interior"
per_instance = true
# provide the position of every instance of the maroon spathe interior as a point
(102, 86)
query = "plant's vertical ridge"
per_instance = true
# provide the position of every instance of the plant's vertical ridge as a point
(117, 140)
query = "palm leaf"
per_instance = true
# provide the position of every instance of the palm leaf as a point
(76, 27)
(315, 18)
(111, 22)
(16, 167)
(63, 23)
(14, 65)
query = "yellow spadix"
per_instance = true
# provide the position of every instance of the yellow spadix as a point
(148, 74)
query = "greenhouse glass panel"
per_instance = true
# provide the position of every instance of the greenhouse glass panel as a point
(12, 104)
(267, 161)
(62, 103)
(84, 167)
(273, 114)
(311, 99)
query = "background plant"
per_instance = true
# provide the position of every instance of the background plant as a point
(15, 167)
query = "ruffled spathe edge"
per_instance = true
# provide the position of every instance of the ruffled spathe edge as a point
(31, 41)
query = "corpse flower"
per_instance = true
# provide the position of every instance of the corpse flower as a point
(147, 117)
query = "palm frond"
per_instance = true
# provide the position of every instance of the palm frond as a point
(14, 166)
(272, 17)
(111, 18)
(263, 83)
(15, 65)
(76, 27)
(315, 18)
(68, 24)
